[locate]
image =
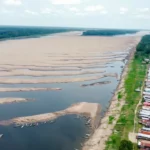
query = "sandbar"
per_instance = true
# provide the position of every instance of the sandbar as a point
(28, 89)
(13, 100)
(91, 110)
(53, 80)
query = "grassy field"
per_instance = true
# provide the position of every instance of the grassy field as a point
(135, 79)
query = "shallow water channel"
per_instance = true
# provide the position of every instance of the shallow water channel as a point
(67, 132)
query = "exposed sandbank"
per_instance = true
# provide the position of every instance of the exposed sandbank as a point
(13, 100)
(28, 89)
(52, 80)
(91, 110)
(96, 83)
(47, 73)
(63, 53)
(38, 51)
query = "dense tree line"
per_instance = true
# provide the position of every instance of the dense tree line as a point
(22, 32)
(108, 32)
(144, 46)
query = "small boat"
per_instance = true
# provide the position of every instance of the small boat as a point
(22, 126)
(146, 104)
(137, 90)
(1, 135)
(52, 121)
(17, 125)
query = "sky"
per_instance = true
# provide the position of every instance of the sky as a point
(125, 14)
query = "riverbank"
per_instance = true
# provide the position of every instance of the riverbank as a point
(127, 123)
(108, 135)
(102, 133)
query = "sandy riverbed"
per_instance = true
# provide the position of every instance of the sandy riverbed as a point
(62, 51)
(61, 55)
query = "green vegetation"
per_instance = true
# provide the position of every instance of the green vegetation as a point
(11, 32)
(111, 118)
(135, 79)
(126, 145)
(104, 32)
(144, 46)
(120, 95)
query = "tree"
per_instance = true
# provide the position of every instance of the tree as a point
(126, 145)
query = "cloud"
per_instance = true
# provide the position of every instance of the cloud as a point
(53, 11)
(31, 12)
(82, 14)
(141, 16)
(104, 12)
(5, 11)
(143, 10)
(94, 8)
(74, 9)
(123, 10)
(13, 2)
(65, 2)
(46, 11)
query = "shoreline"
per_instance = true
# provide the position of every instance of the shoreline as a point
(102, 133)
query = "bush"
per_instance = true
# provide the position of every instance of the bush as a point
(126, 145)
(144, 45)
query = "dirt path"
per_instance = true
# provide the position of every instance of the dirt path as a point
(132, 135)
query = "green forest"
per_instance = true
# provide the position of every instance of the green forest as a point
(107, 32)
(144, 46)
(26, 32)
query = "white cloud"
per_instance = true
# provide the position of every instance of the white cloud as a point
(5, 11)
(104, 12)
(46, 11)
(53, 11)
(31, 12)
(143, 9)
(65, 2)
(94, 8)
(123, 10)
(13, 2)
(82, 14)
(74, 9)
(141, 16)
